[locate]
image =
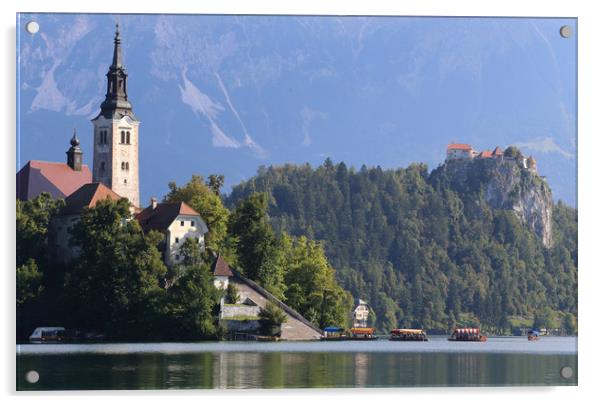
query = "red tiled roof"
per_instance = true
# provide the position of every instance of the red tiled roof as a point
(163, 215)
(220, 267)
(459, 146)
(58, 179)
(485, 154)
(86, 197)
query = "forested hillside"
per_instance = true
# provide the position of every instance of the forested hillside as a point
(424, 251)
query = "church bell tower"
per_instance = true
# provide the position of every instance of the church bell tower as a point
(115, 161)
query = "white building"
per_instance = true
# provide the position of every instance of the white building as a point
(460, 151)
(178, 222)
(360, 314)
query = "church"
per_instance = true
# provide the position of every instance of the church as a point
(114, 175)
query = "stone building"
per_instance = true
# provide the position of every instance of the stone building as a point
(459, 151)
(116, 128)
(252, 298)
(61, 224)
(177, 222)
(58, 179)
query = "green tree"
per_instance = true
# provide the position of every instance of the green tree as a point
(569, 323)
(117, 272)
(232, 294)
(33, 220)
(192, 305)
(312, 287)
(255, 238)
(216, 182)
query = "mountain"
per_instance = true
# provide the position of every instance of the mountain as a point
(226, 93)
(472, 242)
(503, 184)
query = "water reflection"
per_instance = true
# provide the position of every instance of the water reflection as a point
(291, 370)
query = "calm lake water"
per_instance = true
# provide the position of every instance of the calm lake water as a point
(438, 362)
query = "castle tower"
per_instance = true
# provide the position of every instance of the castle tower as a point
(115, 162)
(74, 154)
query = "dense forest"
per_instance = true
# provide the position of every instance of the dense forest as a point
(422, 248)
(119, 287)
(423, 251)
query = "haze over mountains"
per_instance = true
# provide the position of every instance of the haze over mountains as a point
(226, 94)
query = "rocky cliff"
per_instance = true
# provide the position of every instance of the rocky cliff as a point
(503, 184)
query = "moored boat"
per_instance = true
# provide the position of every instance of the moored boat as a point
(408, 334)
(362, 334)
(48, 334)
(468, 335)
(533, 335)
(333, 334)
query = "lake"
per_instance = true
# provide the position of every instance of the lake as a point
(502, 361)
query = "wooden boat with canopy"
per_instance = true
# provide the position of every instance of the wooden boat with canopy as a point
(467, 335)
(408, 334)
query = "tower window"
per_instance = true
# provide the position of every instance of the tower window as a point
(177, 240)
(103, 137)
(122, 137)
(122, 165)
(127, 137)
(125, 181)
(127, 165)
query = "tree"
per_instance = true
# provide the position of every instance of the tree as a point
(117, 272)
(312, 288)
(215, 182)
(272, 315)
(513, 152)
(271, 318)
(33, 219)
(232, 294)
(255, 238)
(569, 323)
(29, 283)
(192, 305)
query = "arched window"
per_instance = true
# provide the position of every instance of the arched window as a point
(127, 165)
(122, 137)
(122, 165)
(127, 137)
(125, 181)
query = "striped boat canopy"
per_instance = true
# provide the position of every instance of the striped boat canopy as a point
(467, 330)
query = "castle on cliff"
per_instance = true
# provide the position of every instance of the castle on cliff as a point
(463, 151)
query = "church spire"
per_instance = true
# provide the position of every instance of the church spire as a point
(117, 49)
(116, 104)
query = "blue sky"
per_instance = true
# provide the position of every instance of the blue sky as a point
(226, 94)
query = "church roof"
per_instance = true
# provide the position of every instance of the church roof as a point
(498, 151)
(86, 197)
(221, 268)
(58, 179)
(163, 215)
